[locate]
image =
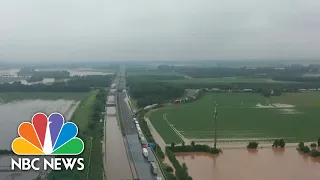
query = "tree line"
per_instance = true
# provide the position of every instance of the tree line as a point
(147, 93)
(216, 72)
(75, 84)
(43, 74)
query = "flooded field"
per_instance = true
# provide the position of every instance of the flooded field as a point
(13, 113)
(73, 72)
(117, 164)
(241, 164)
(7, 174)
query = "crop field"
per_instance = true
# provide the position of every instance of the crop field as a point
(242, 116)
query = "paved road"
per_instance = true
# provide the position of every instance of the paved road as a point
(141, 164)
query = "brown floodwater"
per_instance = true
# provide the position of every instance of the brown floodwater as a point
(117, 164)
(261, 164)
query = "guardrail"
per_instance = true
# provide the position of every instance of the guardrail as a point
(159, 164)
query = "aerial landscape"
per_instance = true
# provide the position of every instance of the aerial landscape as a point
(160, 90)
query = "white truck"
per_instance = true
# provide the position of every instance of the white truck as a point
(145, 152)
(150, 155)
(140, 134)
(153, 168)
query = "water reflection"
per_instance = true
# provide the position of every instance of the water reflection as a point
(243, 164)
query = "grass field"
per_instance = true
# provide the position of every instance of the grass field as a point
(82, 117)
(12, 96)
(239, 118)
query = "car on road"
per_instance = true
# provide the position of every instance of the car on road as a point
(145, 152)
(159, 178)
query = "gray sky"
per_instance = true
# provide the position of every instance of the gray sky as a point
(79, 30)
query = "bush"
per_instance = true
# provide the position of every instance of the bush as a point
(306, 149)
(276, 143)
(313, 145)
(315, 153)
(195, 148)
(193, 143)
(183, 143)
(282, 143)
(253, 145)
(319, 141)
(168, 168)
(301, 145)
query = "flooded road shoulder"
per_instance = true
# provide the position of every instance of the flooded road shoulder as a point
(243, 164)
(117, 164)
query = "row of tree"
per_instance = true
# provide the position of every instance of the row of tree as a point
(44, 74)
(214, 72)
(75, 84)
(181, 170)
(147, 93)
(194, 148)
(35, 79)
(98, 108)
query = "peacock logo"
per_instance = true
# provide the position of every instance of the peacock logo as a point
(47, 136)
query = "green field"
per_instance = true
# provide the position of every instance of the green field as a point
(82, 117)
(239, 118)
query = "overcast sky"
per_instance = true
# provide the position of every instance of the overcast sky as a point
(81, 30)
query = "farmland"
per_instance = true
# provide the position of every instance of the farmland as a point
(292, 116)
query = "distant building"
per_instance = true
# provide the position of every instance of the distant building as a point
(247, 90)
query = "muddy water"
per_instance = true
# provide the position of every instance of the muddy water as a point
(117, 164)
(13, 113)
(241, 164)
(7, 174)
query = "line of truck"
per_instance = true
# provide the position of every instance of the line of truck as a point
(146, 150)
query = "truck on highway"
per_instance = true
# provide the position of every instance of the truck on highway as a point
(145, 152)
(143, 141)
(153, 168)
(150, 156)
(140, 134)
(138, 128)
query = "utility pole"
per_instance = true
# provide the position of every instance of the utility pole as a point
(215, 126)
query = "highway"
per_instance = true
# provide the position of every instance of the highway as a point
(142, 166)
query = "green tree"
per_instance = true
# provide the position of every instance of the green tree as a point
(319, 141)
(282, 143)
(313, 145)
(301, 145)
(193, 143)
(253, 145)
(276, 143)
(183, 143)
